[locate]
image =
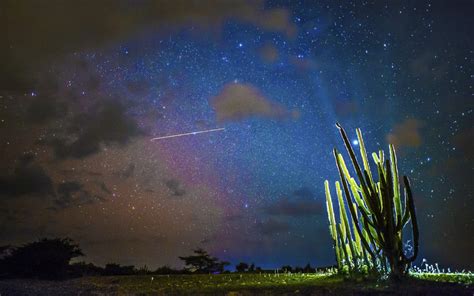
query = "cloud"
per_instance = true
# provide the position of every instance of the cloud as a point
(275, 20)
(464, 142)
(269, 53)
(72, 193)
(300, 204)
(406, 134)
(176, 187)
(272, 226)
(238, 101)
(28, 178)
(56, 28)
(110, 125)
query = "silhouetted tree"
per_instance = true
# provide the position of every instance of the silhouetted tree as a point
(46, 258)
(241, 267)
(286, 268)
(219, 266)
(85, 269)
(202, 262)
(252, 268)
(308, 268)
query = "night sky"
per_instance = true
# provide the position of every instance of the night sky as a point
(85, 86)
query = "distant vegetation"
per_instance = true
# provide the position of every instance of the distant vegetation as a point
(51, 259)
(371, 239)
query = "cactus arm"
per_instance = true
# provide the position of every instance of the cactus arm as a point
(332, 224)
(390, 206)
(345, 228)
(330, 210)
(359, 202)
(355, 163)
(348, 199)
(414, 222)
(342, 246)
(375, 157)
(358, 243)
(396, 184)
(363, 153)
(376, 205)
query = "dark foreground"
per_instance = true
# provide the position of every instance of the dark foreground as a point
(245, 284)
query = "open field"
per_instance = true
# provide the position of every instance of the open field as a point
(243, 284)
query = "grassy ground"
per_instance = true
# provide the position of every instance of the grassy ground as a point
(244, 284)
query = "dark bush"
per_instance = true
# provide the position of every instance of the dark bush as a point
(117, 269)
(84, 269)
(241, 267)
(45, 259)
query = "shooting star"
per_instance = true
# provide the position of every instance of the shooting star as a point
(188, 134)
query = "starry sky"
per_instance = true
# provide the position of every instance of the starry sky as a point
(85, 86)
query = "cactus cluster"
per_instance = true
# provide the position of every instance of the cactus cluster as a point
(370, 237)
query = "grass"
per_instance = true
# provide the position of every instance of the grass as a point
(455, 284)
(452, 277)
(202, 283)
(244, 284)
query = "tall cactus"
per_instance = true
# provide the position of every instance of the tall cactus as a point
(377, 212)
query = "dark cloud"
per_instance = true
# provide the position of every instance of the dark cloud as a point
(128, 172)
(237, 101)
(27, 178)
(43, 109)
(91, 173)
(300, 204)
(272, 226)
(406, 134)
(72, 193)
(176, 187)
(104, 188)
(38, 32)
(110, 125)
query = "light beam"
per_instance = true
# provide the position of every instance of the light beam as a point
(188, 134)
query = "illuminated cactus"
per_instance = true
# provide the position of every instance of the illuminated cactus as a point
(377, 212)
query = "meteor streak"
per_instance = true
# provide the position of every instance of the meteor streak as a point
(188, 134)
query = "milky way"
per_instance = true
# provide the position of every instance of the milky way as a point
(78, 114)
